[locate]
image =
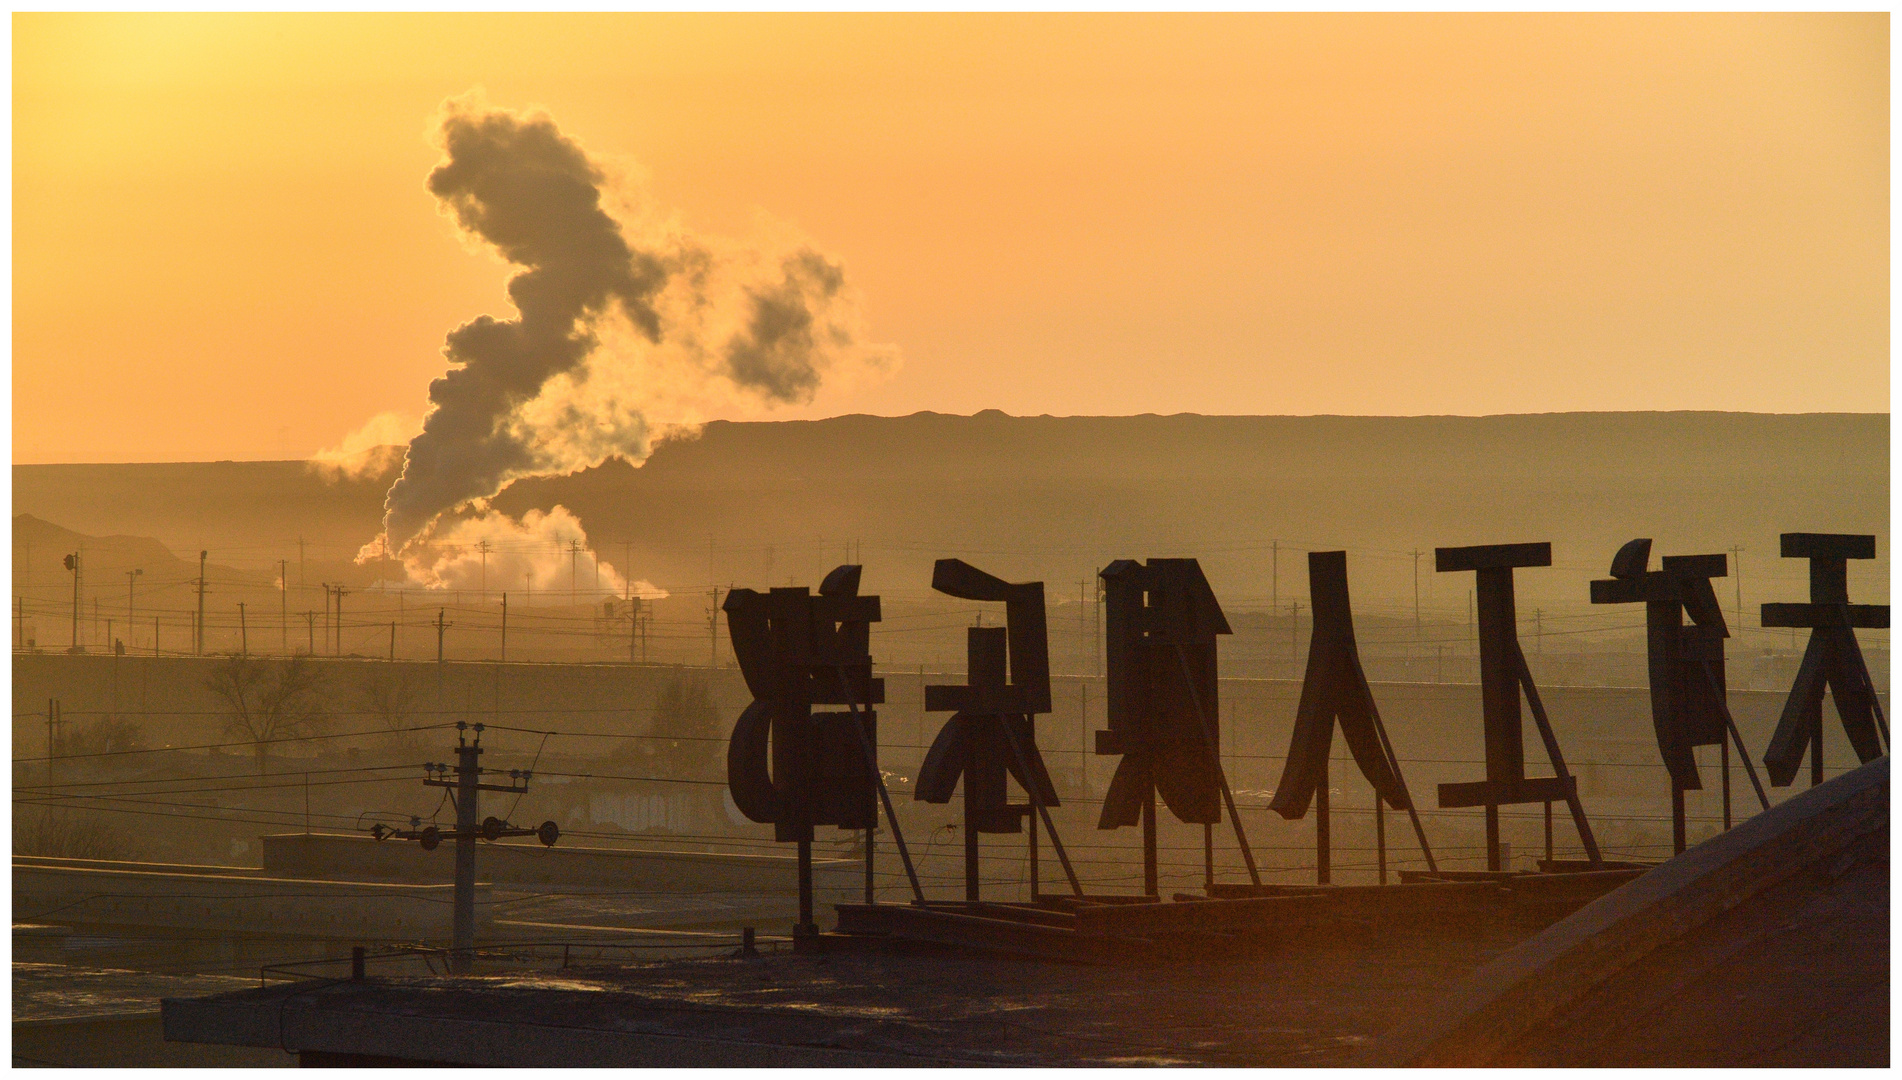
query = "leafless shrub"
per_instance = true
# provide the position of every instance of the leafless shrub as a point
(67, 835)
(269, 701)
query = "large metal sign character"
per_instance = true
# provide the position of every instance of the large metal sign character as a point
(1335, 687)
(990, 734)
(1832, 659)
(1160, 628)
(787, 765)
(1502, 675)
(1686, 665)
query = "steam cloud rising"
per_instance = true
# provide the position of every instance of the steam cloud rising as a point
(617, 342)
(544, 554)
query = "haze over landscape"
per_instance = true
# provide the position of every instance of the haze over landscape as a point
(378, 376)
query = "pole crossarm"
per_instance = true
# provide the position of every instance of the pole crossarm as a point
(464, 781)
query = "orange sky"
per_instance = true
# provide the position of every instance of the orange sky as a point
(223, 246)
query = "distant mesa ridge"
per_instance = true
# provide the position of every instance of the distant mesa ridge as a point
(1068, 490)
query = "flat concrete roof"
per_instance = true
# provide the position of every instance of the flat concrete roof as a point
(1311, 1004)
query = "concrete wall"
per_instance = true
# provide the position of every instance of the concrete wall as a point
(167, 695)
(242, 903)
(1426, 720)
(361, 858)
(129, 1042)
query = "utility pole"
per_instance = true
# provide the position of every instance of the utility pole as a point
(440, 627)
(1082, 614)
(73, 564)
(340, 592)
(1096, 626)
(633, 626)
(23, 579)
(52, 740)
(310, 624)
(574, 572)
(505, 627)
(130, 577)
(1416, 594)
(713, 626)
(284, 605)
(1736, 564)
(1274, 582)
(244, 633)
(483, 547)
(198, 645)
(466, 788)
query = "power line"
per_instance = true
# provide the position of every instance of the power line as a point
(221, 746)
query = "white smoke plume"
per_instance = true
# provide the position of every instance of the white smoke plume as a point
(629, 330)
(543, 558)
(370, 450)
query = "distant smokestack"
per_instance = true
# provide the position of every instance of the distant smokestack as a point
(538, 395)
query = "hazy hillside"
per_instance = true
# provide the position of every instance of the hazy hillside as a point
(1056, 497)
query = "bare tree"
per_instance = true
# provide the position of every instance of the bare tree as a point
(68, 835)
(110, 735)
(269, 702)
(685, 737)
(391, 699)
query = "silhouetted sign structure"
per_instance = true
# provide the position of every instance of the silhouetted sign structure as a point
(1832, 660)
(1335, 688)
(1502, 674)
(1161, 623)
(787, 765)
(990, 734)
(1686, 663)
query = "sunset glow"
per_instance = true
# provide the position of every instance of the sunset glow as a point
(224, 246)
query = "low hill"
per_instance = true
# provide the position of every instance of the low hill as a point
(1056, 497)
